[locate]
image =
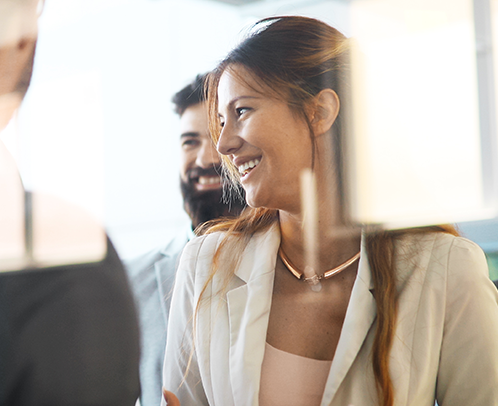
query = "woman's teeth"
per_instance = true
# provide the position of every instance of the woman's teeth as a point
(244, 169)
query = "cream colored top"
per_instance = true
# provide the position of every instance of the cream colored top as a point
(445, 344)
(291, 380)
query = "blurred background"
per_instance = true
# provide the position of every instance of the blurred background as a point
(97, 126)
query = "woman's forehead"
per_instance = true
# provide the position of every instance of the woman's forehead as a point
(237, 78)
(241, 77)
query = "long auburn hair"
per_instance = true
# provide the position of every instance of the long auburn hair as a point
(295, 58)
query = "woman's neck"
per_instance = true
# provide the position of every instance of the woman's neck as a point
(337, 241)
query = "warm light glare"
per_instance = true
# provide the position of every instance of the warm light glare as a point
(65, 155)
(416, 119)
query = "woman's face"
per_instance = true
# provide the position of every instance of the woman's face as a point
(266, 141)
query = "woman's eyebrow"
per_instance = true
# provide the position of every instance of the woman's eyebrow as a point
(236, 99)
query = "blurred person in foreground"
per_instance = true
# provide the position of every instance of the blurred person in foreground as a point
(152, 274)
(403, 317)
(68, 326)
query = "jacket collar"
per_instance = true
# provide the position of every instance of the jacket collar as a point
(263, 248)
(360, 315)
(249, 309)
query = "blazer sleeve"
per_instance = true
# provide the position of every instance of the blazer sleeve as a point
(468, 369)
(181, 374)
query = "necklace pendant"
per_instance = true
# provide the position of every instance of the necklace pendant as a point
(314, 283)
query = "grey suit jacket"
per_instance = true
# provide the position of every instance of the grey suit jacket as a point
(152, 276)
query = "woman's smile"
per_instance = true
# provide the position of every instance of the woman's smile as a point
(267, 142)
(247, 167)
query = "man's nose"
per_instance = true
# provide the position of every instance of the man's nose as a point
(207, 155)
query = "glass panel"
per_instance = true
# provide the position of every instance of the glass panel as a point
(415, 158)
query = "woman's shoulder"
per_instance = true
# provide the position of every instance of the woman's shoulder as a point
(208, 243)
(200, 252)
(437, 244)
(440, 253)
(199, 240)
(203, 245)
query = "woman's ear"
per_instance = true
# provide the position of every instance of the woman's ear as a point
(324, 111)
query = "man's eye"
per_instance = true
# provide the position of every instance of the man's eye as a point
(189, 143)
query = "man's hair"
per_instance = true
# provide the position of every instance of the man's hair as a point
(193, 93)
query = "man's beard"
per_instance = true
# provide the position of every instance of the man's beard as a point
(203, 206)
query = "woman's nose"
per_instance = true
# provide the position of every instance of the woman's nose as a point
(229, 142)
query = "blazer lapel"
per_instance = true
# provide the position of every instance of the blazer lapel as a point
(249, 309)
(359, 318)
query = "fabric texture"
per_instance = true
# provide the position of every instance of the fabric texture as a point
(445, 345)
(69, 336)
(152, 276)
(291, 380)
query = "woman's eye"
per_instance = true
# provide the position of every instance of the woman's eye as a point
(241, 110)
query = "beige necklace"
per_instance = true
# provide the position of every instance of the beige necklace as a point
(328, 274)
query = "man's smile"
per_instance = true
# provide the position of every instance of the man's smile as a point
(208, 182)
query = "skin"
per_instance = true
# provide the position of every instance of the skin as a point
(257, 125)
(17, 45)
(18, 34)
(197, 148)
(170, 398)
(16, 62)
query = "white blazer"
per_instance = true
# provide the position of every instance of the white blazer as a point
(445, 347)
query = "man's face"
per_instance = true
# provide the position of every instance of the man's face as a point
(18, 31)
(199, 157)
(200, 170)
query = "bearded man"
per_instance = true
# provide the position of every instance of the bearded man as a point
(152, 275)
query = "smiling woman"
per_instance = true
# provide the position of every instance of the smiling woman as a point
(263, 139)
(392, 328)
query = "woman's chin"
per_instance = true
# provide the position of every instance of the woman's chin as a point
(252, 204)
(253, 201)
(257, 202)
